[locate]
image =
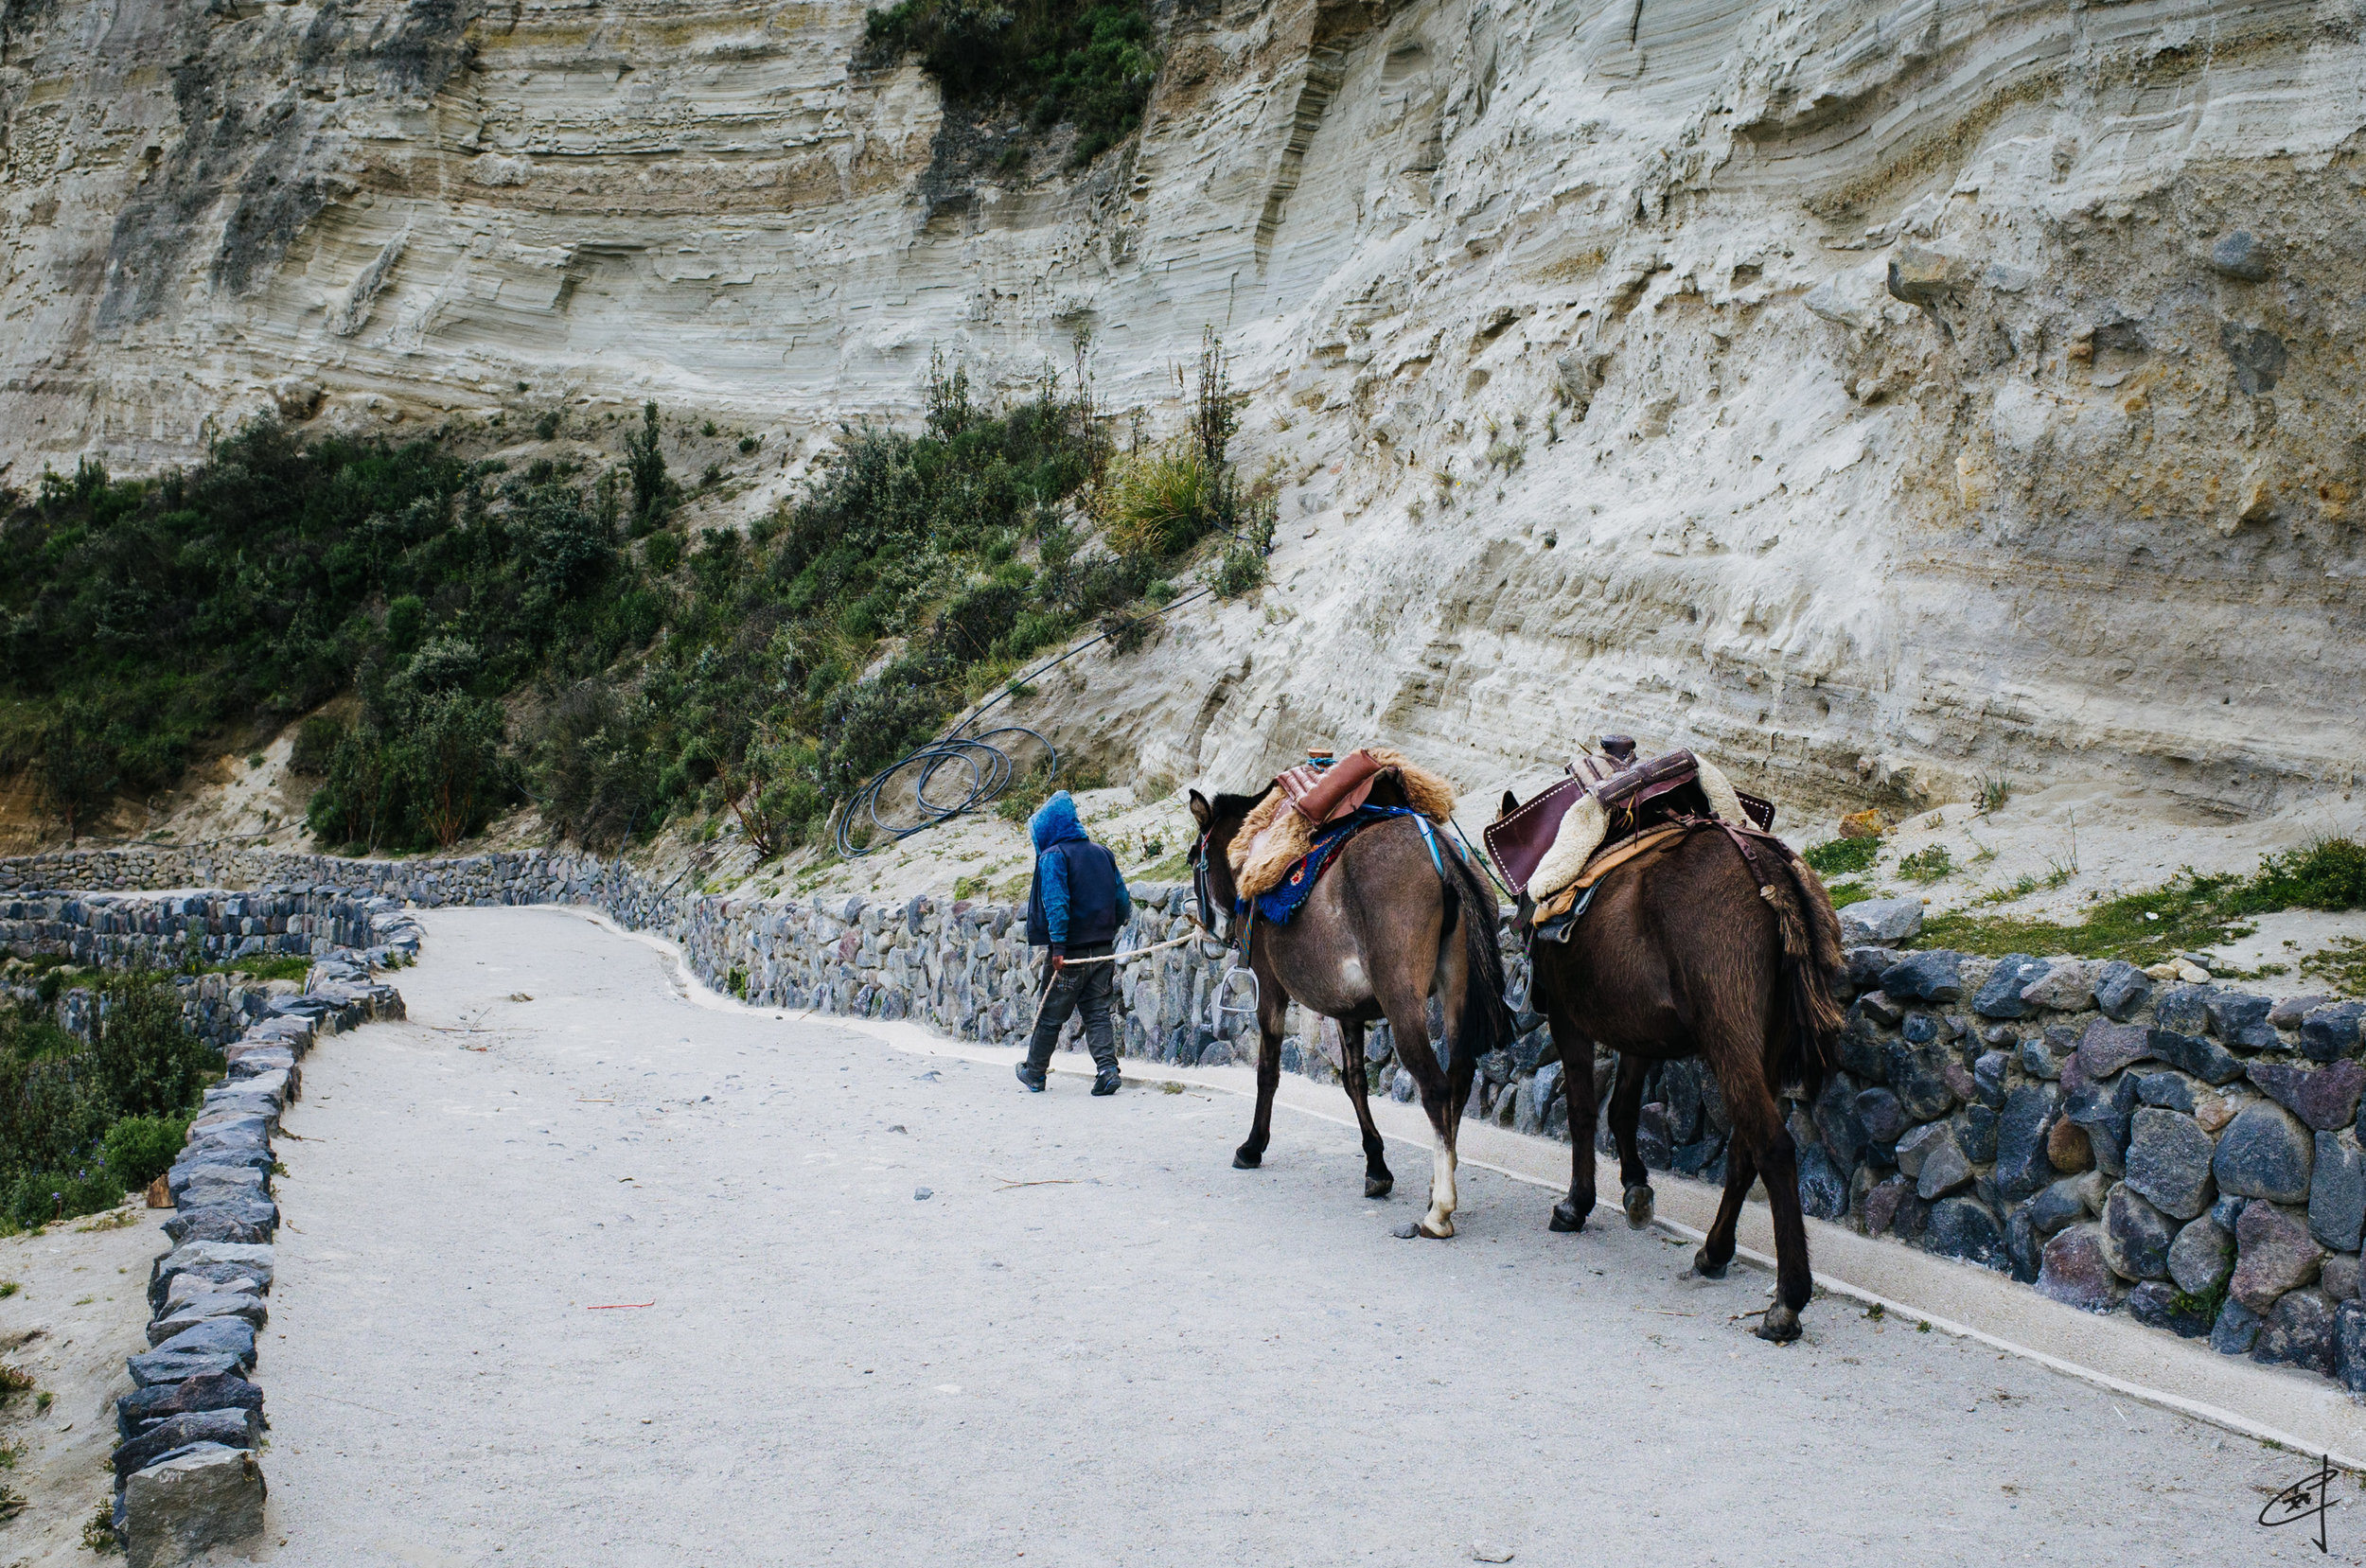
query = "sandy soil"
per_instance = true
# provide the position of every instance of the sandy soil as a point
(578, 1273)
(80, 1309)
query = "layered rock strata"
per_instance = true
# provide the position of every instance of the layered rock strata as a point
(1877, 398)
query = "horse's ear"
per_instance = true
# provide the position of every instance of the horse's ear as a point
(1511, 800)
(1201, 811)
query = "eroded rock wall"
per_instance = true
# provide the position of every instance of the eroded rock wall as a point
(1879, 395)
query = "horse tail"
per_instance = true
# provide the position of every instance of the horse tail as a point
(1811, 961)
(1485, 1024)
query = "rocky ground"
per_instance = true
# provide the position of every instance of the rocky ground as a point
(576, 1271)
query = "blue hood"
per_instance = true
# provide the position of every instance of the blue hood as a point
(1055, 823)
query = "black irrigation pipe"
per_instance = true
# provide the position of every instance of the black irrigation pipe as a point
(988, 765)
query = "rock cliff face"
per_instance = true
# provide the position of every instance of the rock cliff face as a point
(1880, 396)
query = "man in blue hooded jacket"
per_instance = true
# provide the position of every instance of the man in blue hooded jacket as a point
(1075, 908)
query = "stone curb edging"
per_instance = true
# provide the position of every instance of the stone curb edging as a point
(2187, 1154)
(187, 1473)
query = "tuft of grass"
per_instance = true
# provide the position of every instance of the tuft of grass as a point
(98, 1533)
(1994, 792)
(1845, 893)
(8, 1288)
(1843, 857)
(1159, 503)
(2341, 963)
(14, 1380)
(1928, 865)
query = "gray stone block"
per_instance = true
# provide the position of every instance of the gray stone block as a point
(234, 1427)
(2136, 1235)
(1875, 922)
(2265, 1153)
(2337, 1192)
(2273, 1253)
(190, 1501)
(2121, 988)
(1932, 976)
(2201, 1256)
(2298, 1331)
(2000, 996)
(2168, 1161)
(2075, 1272)
(2156, 1304)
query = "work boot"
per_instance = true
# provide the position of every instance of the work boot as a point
(1031, 1077)
(1108, 1081)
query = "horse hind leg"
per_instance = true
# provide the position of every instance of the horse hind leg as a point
(1626, 1113)
(1758, 1128)
(1716, 1247)
(1378, 1181)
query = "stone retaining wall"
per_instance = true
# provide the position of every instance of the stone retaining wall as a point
(187, 1476)
(2187, 1154)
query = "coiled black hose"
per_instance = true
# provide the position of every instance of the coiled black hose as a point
(986, 765)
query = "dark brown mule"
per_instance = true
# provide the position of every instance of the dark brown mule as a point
(1385, 929)
(1683, 953)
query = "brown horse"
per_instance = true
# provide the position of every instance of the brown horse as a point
(1694, 950)
(1386, 927)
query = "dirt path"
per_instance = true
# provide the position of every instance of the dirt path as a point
(602, 1277)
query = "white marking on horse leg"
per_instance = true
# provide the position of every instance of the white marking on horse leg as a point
(1440, 1220)
(1351, 977)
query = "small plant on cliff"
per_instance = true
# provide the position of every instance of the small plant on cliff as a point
(644, 462)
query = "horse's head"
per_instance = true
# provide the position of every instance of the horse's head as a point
(1211, 856)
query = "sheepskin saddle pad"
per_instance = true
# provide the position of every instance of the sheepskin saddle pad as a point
(1608, 798)
(1277, 834)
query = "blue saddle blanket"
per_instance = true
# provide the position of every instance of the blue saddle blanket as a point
(1278, 904)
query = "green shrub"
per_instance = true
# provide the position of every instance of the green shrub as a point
(1050, 60)
(139, 1149)
(147, 1064)
(1844, 856)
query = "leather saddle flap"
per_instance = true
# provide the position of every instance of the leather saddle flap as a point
(1517, 840)
(1325, 795)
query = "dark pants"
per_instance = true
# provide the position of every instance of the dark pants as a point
(1091, 986)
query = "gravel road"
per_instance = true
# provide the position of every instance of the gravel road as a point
(578, 1273)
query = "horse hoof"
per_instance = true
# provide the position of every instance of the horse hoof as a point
(1567, 1216)
(1706, 1270)
(1637, 1204)
(1379, 1187)
(1781, 1326)
(1441, 1231)
(1248, 1159)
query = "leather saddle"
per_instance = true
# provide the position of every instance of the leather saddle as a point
(1324, 795)
(1635, 796)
